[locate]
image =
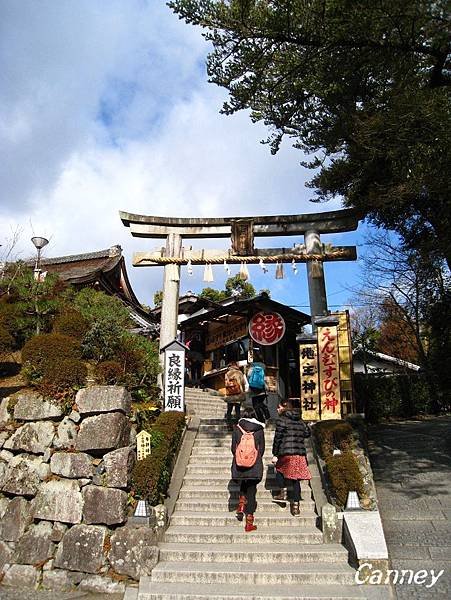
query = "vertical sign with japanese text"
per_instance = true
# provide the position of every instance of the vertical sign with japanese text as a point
(308, 357)
(329, 372)
(174, 379)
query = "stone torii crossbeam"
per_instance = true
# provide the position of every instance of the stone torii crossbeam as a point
(241, 231)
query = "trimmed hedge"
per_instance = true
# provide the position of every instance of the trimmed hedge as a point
(333, 434)
(344, 476)
(342, 469)
(52, 363)
(151, 476)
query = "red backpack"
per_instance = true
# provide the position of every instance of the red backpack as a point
(246, 453)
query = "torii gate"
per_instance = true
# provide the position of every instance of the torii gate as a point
(242, 231)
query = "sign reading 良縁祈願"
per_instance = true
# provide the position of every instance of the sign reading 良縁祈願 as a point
(174, 376)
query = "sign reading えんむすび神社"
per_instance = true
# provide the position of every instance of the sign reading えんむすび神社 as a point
(329, 372)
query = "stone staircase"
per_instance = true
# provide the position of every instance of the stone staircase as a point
(206, 554)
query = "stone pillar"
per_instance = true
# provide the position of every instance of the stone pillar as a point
(171, 286)
(315, 276)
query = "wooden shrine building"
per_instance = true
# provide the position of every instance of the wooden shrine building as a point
(224, 335)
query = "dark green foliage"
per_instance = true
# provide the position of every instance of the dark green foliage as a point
(333, 434)
(381, 397)
(344, 476)
(362, 86)
(151, 476)
(71, 323)
(28, 306)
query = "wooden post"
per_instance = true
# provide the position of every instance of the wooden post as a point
(171, 287)
(315, 276)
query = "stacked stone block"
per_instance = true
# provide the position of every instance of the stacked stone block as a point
(64, 483)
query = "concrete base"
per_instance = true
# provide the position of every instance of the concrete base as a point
(364, 537)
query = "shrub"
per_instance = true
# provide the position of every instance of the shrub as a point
(333, 434)
(151, 476)
(109, 372)
(43, 351)
(69, 373)
(344, 476)
(72, 324)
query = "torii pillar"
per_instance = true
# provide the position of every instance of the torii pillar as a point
(171, 288)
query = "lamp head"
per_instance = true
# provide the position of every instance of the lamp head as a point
(39, 242)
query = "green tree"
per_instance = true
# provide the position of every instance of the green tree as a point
(362, 86)
(234, 286)
(237, 286)
(212, 294)
(158, 298)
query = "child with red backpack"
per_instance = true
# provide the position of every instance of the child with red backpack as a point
(248, 447)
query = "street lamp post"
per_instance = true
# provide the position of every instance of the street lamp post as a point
(39, 243)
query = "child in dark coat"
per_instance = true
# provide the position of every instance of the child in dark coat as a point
(289, 455)
(248, 477)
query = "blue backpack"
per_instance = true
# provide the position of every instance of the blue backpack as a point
(257, 377)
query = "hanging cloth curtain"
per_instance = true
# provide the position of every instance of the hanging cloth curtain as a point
(279, 270)
(208, 273)
(244, 273)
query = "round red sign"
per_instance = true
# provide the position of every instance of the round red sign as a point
(267, 328)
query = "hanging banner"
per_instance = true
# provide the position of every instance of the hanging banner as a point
(174, 376)
(267, 328)
(329, 374)
(308, 357)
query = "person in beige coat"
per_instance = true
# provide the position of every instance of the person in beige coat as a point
(235, 387)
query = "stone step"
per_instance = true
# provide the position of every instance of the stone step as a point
(265, 553)
(248, 573)
(226, 519)
(235, 535)
(222, 479)
(150, 590)
(211, 493)
(197, 505)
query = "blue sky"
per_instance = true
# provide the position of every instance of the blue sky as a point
(106, 107)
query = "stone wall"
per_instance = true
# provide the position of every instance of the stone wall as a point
(64, 483)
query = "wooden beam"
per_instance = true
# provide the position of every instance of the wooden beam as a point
(270, 255)
(326, 222)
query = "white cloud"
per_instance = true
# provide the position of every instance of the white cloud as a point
(107, 110)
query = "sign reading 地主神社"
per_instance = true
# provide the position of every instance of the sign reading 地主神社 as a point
(174, 376)
(308, 356)
(267, 328)
(329, 372)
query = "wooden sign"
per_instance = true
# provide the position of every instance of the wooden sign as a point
(267, 328)
(174, 376)
(329, 372)
(226, 333)
(143, 445)
(308, 357)
(345, 356)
